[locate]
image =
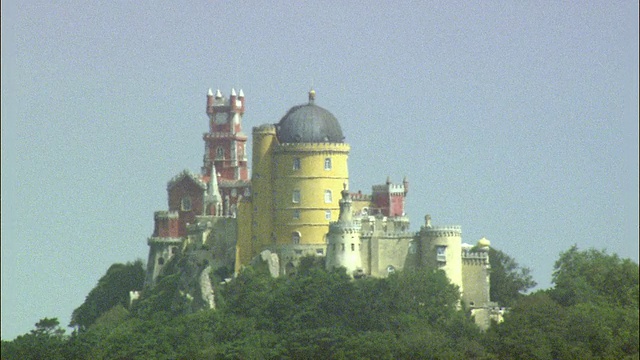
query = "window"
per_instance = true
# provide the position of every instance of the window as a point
(185, 204)
(161, 261)
(219, 153)
(353, 247)
(296, 196)
(327, 197)
(296, 163)
(327, 214)
(441, 253)
(319, 252)
(296, 214)
(327, 163)
(295, 237)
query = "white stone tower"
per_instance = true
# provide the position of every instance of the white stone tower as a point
(343, 240)
(441, 248)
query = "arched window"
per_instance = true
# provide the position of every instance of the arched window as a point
(327, 163)
(295, 237)
(296, 163)
(219, 153)
(328, 198)
(185, 204)
(296, 196)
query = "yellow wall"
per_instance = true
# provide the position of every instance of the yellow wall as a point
(255, 215)
(311, 180)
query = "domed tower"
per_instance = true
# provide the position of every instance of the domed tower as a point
(299, 166)
(343, 240)
(310, 166)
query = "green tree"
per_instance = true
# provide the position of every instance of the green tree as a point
(509, 281)
(595, 276)
(112, 289)
(46, 341)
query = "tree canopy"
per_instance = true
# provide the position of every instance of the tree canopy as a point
(590, 313)
(112, 289)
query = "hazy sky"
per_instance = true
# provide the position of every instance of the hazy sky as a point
(515, 119)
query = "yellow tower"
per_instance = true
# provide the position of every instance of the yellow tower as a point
(299, 168)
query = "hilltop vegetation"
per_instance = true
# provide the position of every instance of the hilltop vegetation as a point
(590, 313)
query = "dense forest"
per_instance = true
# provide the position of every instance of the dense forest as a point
(591, 312)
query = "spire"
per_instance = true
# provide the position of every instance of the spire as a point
(312, 96)
(214, 200)
(210, 93)
(241, 93)
(233, 92)
(218, 94)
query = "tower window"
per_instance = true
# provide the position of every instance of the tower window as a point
(441, 254)
(327, 163)
(327, 214)
(185, 204)
(327, 197)
(296, 214)
(296, 196)
(295, 237)
(296, 163)
(219, 153)
(353, 247)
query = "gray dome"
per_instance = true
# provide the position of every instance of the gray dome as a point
(309, 123)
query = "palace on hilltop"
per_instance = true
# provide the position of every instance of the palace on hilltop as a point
(296, 202)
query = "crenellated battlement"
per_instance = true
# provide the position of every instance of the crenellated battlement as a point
(164, 240)
(312, 147)
(442, 231)
(160, 215)
(224, 135)
(396, 189)
(338, 227)
(474, 255)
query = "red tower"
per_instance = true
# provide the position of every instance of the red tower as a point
(225, 148)
(389, 199)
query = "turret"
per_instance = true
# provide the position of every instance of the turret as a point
(210, 102)
(343, 240)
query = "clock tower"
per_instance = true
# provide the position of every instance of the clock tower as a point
(225, 148)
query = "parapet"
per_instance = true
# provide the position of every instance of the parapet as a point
(442, 231)
(164, 240)
(268, 129)
(158, 215)
(313, 147)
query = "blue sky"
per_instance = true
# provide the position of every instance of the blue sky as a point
(517, 120)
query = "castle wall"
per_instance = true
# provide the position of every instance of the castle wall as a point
(475, 279)
(260, 233)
